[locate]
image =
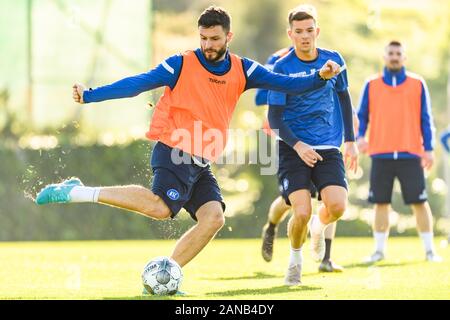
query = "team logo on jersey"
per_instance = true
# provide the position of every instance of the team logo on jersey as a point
(285, 184)
(217, 81)
(173, 194)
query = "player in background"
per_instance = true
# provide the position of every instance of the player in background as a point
(395, 109)
(312, 128)
(279, 209)
(445, 136)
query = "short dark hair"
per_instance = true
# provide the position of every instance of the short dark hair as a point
(395, 43)
(302, 12)
(215, 16)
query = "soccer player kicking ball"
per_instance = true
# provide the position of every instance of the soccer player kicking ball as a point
(189, 123)
(279, 210)
(310, 125)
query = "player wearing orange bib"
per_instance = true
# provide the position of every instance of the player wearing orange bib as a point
(189, 125)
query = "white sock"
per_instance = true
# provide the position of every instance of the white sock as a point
(295, 256)
(380, 241)
(317, 226)
(427, 238)
(84, 194)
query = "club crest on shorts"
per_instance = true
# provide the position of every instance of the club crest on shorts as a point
(173, 194)
(285, 183)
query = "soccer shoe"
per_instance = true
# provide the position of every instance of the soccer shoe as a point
(375, 257)
(57, 193)
(433, 257)
(330, 266)
(317, 242)
(293, 275)
(268, 237)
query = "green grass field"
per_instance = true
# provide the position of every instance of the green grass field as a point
(227, 269)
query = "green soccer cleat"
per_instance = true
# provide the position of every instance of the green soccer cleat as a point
(57, 193)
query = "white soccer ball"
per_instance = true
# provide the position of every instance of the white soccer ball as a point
(162, 276)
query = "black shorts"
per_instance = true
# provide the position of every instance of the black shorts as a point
(184, 185)
(294, 174)
(408, 171)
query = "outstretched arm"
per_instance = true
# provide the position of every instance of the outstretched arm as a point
(165, 74)
(260, 77)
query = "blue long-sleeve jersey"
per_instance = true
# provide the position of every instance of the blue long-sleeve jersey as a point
(168, 72)
(314, 117)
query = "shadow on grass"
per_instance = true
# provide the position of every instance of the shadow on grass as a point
(263, 291)
(256, 275)
(381, 264)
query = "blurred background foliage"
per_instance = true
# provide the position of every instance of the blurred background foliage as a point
(47, 45)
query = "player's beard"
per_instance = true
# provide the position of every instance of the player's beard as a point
(395, 67)
(219, 53)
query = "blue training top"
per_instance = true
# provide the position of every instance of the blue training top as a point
(314, 117)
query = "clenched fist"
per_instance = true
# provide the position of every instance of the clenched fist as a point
(77, 92)
(329, 69)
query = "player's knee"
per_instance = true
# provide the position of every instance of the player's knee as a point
(157, 209)
(302, 213)
(214, 220)
(217, 220)
(337, 209)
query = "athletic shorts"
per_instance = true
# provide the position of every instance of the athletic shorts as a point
(184, 185)
(294, 174)
(408, 171)
(312, 190)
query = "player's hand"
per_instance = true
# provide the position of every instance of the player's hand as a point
(363, 145)
(427, 160)
(307, 154)
(77, 92)
(351, 156)
(329, 69)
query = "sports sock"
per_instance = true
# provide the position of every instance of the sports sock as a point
(317, 226)
(84, 194)
(380, 241)
(327, 250)
(427, 238)
(295, 257)
(271, 228)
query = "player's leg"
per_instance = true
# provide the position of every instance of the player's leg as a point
(334, 205)
(329, 178)
(297, 231)
(294, 177)
(327, 265)
(382, 175)
(131, 197)
(210, 219)
(424, 220)
(277, 213)
(206, 206)
(412, 182)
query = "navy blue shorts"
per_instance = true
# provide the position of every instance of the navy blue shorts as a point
(312, 190)
(184, 185)
(294, 174)
(408, 171)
